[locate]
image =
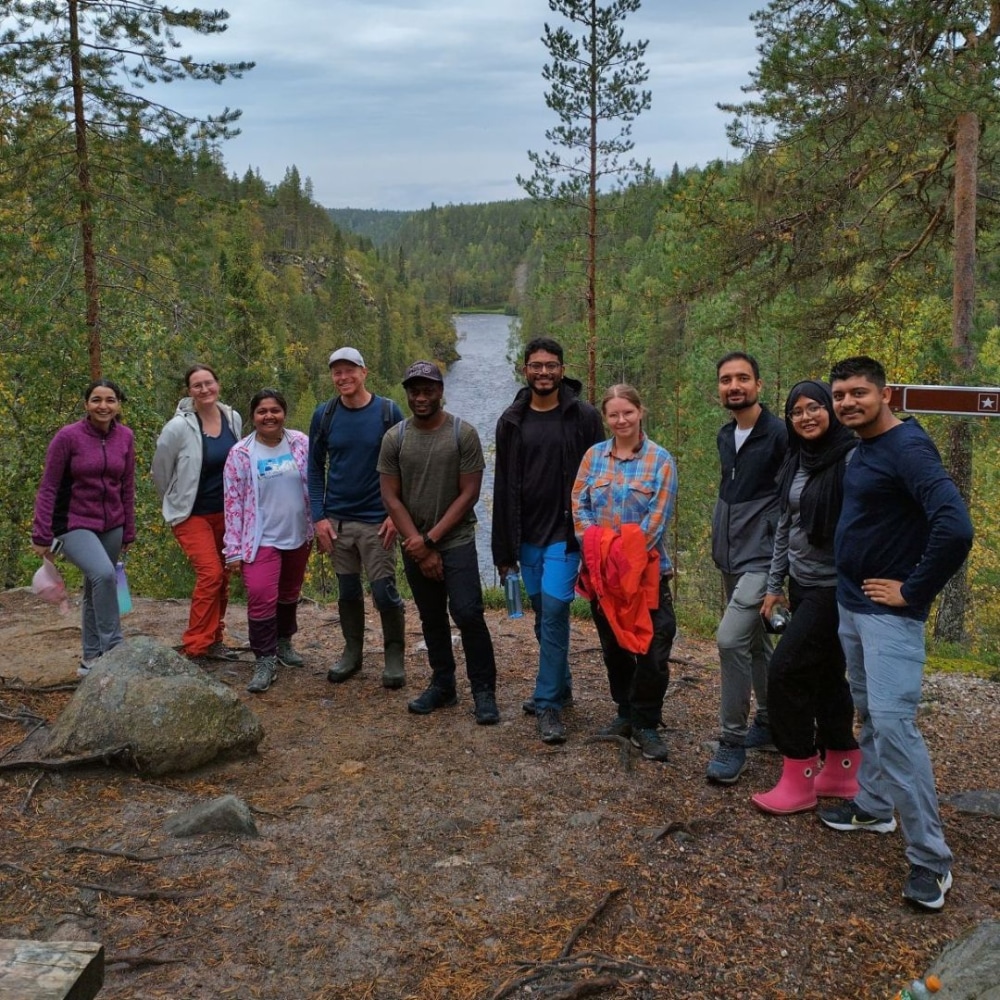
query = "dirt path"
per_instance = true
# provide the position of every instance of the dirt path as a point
(431, 858)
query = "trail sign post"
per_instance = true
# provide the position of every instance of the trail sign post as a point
(956, 400)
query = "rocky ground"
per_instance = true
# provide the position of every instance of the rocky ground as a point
(409, 857)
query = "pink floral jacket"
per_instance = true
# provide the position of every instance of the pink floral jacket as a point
(241, 491)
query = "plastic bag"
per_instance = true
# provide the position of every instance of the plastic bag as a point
(124, 595)
(48, 584)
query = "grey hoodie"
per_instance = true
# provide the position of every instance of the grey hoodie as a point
(178, 457)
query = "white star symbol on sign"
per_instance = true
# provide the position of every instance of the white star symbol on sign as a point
(988, 401)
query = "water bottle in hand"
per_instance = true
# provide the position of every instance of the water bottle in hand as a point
(512, 592)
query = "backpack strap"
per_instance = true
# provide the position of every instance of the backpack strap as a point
(327, 420)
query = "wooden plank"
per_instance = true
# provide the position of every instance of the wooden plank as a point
(50, 970)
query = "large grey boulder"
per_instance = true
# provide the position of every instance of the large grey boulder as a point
(172, 714)
(969, 967)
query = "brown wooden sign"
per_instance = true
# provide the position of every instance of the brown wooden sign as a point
(958, 400)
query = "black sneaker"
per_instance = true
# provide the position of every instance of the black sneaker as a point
(618, 726)
(487, 713)
(847, 816)
(550, 726)
(432, 698)
(649, 742)
(926, 888)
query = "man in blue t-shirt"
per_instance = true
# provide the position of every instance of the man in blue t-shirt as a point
(348, 514)
(903, 532)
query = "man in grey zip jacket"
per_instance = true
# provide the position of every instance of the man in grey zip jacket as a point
(751, 448)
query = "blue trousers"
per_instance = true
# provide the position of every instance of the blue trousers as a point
(885, 666)
(549, 575)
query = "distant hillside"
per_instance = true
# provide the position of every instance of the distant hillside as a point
(381, 227)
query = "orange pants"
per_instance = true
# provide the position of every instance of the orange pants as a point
(200, 536)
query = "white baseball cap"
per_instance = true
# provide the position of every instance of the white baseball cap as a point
(348, 354)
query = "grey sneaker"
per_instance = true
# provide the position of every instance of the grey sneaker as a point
(847, 816)
(649, 742)
(528, 705)
(727, 764)
(758, 737)
(264, 673)
(926, 888)
(550, 726)
(287, 655)
(85, 667)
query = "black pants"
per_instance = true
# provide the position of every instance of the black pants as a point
(808, 699)
(639, 680)
(461, 593)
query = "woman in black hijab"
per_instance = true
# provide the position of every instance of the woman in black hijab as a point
(808, 698)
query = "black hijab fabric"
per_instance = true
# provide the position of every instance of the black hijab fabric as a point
(823, 460)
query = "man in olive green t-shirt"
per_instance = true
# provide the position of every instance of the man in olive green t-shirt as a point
(431, 470)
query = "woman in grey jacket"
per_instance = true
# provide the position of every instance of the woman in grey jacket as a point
(190, 455)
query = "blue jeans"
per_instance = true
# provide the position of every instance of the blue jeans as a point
(549, 575)
(885, 666)
(461, 594)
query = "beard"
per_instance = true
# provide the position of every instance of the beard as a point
(744, 404)
(544, 390)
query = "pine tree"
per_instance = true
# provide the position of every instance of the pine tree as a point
(594, 78)
(91, 62)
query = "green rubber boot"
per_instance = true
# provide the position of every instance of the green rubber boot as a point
(394, 641)
(352, 624)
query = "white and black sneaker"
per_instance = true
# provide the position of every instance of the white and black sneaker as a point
(926, 887)
(847, 816)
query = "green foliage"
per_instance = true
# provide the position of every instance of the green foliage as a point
(196, 268)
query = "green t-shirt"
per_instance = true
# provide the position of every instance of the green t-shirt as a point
(428, 464)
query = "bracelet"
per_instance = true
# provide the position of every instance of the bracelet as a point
(428, 541)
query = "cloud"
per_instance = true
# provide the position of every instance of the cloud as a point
(397, 104)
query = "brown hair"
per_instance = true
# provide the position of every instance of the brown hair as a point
(198, 368)
(623, 391)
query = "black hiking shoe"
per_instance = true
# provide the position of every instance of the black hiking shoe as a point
(433, 698)
(487, 713)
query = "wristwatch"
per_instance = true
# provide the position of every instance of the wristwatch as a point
(428, 541)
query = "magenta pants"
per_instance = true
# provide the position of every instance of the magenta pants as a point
(275, 576)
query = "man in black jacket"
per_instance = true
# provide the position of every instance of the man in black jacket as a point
(540, 440)
(751, 448)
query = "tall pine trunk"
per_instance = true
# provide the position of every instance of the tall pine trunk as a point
(950, 623)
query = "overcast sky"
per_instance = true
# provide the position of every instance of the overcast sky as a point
(395, 104)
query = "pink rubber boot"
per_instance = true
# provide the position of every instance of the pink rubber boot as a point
(839, 777)
(794, 791)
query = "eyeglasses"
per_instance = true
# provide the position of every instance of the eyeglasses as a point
(537, 367)
(810, 411)
(202, 386)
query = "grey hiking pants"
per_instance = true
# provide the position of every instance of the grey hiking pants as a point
(95, 555)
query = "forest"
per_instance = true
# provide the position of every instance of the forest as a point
(837, 232)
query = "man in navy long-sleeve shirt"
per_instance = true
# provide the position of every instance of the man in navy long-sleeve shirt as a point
(903, 532)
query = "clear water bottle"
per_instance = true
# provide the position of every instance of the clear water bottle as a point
(512, 593)
(780, 617)
(920, 989)
(124, 594)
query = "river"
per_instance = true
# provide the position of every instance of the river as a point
(478, 388)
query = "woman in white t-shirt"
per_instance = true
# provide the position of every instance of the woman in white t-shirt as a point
(269, 531)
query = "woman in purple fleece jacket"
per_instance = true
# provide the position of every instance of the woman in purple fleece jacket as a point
(86, 502)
